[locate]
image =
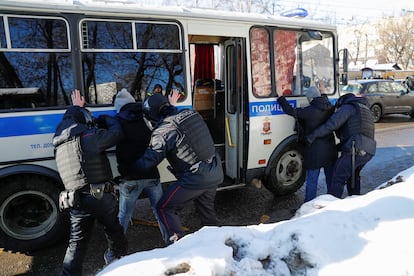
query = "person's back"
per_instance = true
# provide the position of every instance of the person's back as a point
(184, 139)
(322, 153)
(354, 125)
(195, 147)
(136, 140)
(359, 125)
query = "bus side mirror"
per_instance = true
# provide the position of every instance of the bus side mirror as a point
(344, 64)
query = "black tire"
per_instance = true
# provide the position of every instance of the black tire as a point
(29, 214)
(376, 111)
(285, 173)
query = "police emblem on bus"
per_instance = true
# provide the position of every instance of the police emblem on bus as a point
(266, 126)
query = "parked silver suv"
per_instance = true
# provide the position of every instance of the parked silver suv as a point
(384, 96)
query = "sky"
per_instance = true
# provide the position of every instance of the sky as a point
(349, 8)
(343, 10)
(371, 234)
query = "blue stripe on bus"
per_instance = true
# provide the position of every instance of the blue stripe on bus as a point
(35, 124)
(29, 125)
(267, 108)
(39, 123)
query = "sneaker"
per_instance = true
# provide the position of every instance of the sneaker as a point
(109, 256)
(173, 238)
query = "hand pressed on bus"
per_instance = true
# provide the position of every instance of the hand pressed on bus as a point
(77, 98)
(174, 96)
(321, 86)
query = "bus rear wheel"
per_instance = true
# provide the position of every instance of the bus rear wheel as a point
(285, 173)
(29, 214)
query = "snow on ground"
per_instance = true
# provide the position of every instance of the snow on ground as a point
(372, 234)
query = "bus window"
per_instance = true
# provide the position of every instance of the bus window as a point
(300, 59)
(114, 57)
(35, 54)
(284, 63)
(260, 55)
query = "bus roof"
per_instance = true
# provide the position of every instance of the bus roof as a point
(129, 7)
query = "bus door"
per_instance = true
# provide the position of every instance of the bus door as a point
(234, 86)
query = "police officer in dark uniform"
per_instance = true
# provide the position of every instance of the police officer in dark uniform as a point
(157, 90)
(354, 125)
(85, 172)
(184, 139)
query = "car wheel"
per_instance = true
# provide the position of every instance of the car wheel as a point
(376, 112)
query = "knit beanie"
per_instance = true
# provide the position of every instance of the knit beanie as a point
(122, 98)
(312, 92)
(153, 105)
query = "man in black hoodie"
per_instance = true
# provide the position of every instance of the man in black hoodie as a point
(322, 153)
(136, 140)
(85, 171)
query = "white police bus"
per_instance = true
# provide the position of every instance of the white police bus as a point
(230, 67)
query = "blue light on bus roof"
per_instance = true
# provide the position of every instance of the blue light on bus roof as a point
(299, 12)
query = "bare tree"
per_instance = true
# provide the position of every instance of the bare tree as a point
(396, 35)
(358, 36)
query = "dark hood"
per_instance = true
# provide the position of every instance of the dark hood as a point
(131, 112)
(350, 98)
(321, 103)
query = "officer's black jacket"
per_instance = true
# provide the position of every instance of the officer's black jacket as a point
(339, 119)
(94, 142)
(322, 152)
(164, 141)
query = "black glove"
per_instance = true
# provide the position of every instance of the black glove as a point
(101, 121)
(308, 140)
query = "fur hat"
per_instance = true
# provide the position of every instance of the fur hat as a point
(122, 98)
(312, 92)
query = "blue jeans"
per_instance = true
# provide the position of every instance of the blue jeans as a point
(312, 177)
(130, 190)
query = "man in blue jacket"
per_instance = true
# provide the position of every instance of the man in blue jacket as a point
(354, 125)
(184, 139)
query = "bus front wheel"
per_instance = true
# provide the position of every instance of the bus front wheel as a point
(29, 214)
(285, 173)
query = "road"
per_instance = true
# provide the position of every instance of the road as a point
(395, 151)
